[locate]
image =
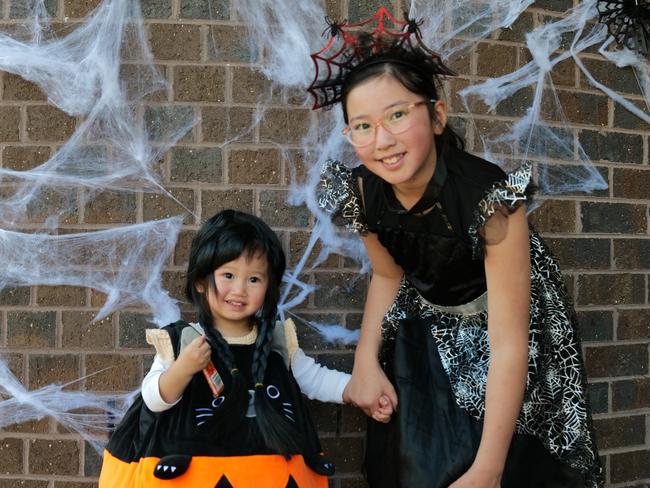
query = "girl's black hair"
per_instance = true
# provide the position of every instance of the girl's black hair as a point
(223, 238)
(415, 72)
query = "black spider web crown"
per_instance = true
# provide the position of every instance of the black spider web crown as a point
(628, 22)
(351, 47)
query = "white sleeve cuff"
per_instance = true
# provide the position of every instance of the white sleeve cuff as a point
(318, 382)
(151, 388)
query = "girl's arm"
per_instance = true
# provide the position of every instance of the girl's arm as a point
(507, 268)
(369, 382)
(151, 391)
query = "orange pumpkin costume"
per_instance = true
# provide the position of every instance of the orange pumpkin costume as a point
(180, 447)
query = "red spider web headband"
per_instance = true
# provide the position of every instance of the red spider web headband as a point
(351, 48)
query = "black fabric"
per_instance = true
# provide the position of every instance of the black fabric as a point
(431, 241)
(179, 430)
(431, 441)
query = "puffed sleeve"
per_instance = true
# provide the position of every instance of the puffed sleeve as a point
(338, 195)
(502, 199)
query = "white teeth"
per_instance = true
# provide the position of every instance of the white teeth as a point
(392, 159)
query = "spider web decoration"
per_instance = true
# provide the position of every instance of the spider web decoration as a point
(628, 22)
(347, 49)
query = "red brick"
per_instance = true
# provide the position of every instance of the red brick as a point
(260, 167)
(48, 296)
(345, 290)
(607, 289)
(80, 332)
(633, 324)
(17, 88)
(619, 79)
(555, 216)
(345, 452)
(47, 123)
(31, 329)
(495, 59)
(203, 165)
(132, 329)
(297, 245)
(631, 183)
(155, 206)
(285, 126)
(230, 43)
(22, 158)
(325, 415)
(631, 394)
(175, 42)
(11, 455)
(205, 9)
(619, 218)
(174, 283)
(48, 457)
(217, 200)
(45, 369)
(620, 431)
(630, 466)
(182, 250)
(278, 213)
(220, 124)
(607, 361)
(118, 372)
(576, 107)
(249, 85)
(199, 84)
(79, 8)
(111, 208)
(21, 483)
(15, 296)
(580, 253)
(9, 124)
(612, 146)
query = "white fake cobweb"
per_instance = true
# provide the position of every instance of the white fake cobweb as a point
(117, 145)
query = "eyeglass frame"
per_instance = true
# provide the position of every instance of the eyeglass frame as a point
(346, 130)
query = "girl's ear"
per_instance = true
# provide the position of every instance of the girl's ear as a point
(199, 286)
(440, 119)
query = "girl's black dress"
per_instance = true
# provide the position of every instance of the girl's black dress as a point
(435, 341)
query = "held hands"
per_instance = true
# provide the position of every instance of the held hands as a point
(194, 357)
(370, 390)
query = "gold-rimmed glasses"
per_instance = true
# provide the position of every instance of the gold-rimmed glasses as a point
(396, 119)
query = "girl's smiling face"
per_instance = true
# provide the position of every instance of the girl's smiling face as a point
(408, 158)
(240, 291)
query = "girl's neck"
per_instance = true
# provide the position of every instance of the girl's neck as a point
(234, 329)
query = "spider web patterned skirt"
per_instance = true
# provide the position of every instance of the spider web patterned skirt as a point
(437, 357)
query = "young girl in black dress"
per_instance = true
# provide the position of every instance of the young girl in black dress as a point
(467, 326)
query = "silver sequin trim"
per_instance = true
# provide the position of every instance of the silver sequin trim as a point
(510, 192)
(338, 195)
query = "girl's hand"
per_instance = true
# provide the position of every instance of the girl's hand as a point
(368, 385)
(194, 357)
(476, 477)
(385, 410)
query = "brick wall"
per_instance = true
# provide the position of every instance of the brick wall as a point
(602, 240)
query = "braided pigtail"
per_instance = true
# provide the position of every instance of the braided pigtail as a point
(277, 431)
(235, 399)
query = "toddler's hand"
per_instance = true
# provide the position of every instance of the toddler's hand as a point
(385, 410)
(195, 356)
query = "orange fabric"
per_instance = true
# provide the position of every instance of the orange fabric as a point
(260, 471)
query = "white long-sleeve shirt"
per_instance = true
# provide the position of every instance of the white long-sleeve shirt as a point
(317, 382)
